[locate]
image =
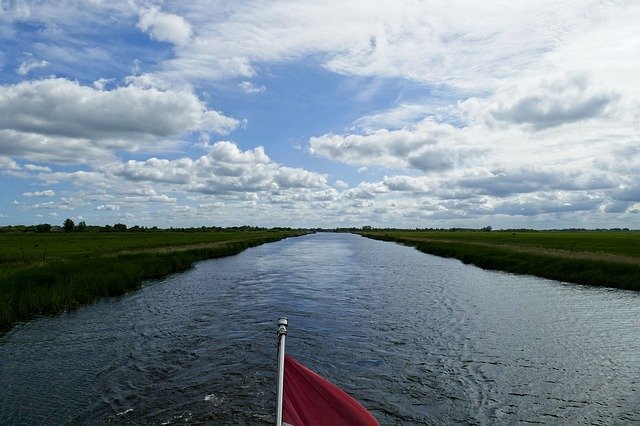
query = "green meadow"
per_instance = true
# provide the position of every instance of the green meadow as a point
(600, 258)
(47, 273)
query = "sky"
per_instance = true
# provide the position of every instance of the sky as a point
(399, 113)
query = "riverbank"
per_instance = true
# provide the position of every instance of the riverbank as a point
(599, 258)
(43, 274)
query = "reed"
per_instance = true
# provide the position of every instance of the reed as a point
(552, 256)
(63, 283)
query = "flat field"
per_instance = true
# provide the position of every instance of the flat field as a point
(21, 249)
(602, 258)
(46, 273)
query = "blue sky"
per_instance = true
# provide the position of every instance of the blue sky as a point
(296, 113)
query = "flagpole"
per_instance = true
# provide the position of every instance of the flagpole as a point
(282, 333)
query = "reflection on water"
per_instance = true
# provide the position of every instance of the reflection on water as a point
(415, 338)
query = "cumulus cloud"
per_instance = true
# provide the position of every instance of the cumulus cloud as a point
(46, 193)
(52, 205)
(362, 192)
(615, 207)
(7, 163)
(102, 83)
(506, 182)
(551, 102)
(225, 168)
(150, 199)
(60, 120)
(429, 146)
(61, 107)
(532, 109)
(540, 204)
(630, 192)
(408, 183)
(108, 207)
(165, 26)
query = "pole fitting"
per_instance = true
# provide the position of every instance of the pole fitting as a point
(282, 325)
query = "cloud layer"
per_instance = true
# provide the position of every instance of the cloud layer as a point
(59, 120)
(517, 113)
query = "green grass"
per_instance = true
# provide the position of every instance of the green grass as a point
(18, 250)
(50, 273)
(600, 258)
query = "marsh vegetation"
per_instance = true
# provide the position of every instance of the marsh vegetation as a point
(601, 258)
(46, 273)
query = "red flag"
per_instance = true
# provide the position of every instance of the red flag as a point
(310, 400)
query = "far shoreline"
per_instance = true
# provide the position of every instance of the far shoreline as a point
(596, 258)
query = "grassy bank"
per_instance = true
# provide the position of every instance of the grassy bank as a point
(600, 258)
(50, 273)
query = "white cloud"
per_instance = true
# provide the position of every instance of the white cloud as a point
(224, 169)
(165, 26)
(545, 203)
(17, 9)
(506, 182)
(207, 206)
(36, 168)
(59, 120)
(29, 65)
(429, 146)
(250, 88)
(408, 183)
(457, 44)
(46, 193)
(108, 207)
(528, 111)
(400, 116)
(551, 102)
(60, 107)
(55, 205)
(102, 83)
(150, 199)
(8, 164)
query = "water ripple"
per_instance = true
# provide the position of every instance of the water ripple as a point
(417, 339)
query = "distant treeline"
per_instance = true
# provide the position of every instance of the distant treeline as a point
(70, 226)
(484, 229)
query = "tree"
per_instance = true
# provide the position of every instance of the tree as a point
(119, 227)
(68, 225)
(43, 227)
(81, 226)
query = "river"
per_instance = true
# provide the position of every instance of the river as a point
(415, 338)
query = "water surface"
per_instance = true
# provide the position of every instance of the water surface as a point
(416, 338)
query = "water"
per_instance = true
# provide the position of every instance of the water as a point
(416, 338)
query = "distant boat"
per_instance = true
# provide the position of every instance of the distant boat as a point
(306, 399)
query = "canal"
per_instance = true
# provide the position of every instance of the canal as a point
(415, 338)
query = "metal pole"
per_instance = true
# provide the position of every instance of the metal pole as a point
(282, 333)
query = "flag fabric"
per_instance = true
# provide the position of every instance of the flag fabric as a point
(311, 400)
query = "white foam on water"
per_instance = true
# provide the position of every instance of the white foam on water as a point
(125, 412)
(215, 400)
